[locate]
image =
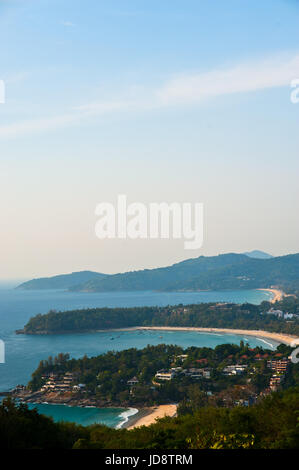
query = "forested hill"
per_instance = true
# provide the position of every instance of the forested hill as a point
(63, 281)
(228, 271)
(247, 317)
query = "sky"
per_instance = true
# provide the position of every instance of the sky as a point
(173, 101)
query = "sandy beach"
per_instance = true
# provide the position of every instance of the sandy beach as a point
(278, 295)
(290, 340)
(148, 416)
(278, 337)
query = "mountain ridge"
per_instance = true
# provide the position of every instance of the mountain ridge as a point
(222, 272)
(226, 271)
(60, 281)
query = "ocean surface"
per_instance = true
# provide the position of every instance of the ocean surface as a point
(23, 353)
(112, 417)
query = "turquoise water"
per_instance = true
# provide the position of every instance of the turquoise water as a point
(23, 353)
(113, 417)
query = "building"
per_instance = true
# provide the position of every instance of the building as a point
(79, 387)
(279, 366)
(236, 369)
(198, 373)
(275, 382)
(164, 374)
(182, 357)
(133, 381)
(277, 313)
(289, 315)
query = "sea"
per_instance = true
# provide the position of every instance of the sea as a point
(23, 353)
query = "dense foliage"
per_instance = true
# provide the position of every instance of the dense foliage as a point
(210, 315)
(106, 376)
(271, 424)
(21, 428)
(62, 281)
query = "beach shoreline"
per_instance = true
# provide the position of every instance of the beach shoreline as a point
(290, 340)
(278, 294)
(130, 418)
(148, 416)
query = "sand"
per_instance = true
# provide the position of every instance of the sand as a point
(154, 413)
(278, 337)
(290, 340)
(278, 295)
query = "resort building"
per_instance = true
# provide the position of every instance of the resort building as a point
(279, 365)
(164, 374)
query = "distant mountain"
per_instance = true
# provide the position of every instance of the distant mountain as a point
(258, 254)
(228, 271)
(63, 281)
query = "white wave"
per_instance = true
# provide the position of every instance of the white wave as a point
(266, 342)
(209, 334)
(125, 415)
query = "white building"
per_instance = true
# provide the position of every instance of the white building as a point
(236, 369)
(165, 374)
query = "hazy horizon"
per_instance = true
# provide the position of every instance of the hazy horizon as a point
(161, 101)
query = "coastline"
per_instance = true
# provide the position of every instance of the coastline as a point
(131, 418)
(148, 416)
(290, 340)
(127, 416)
(278, 295)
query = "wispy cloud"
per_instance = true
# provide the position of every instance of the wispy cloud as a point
(238, 79)
(76, 116)
(68, 24)
(180, 91)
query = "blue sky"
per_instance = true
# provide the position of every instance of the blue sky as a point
(162, 101)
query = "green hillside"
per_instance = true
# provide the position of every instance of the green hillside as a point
(63, 281)
(228, 271)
